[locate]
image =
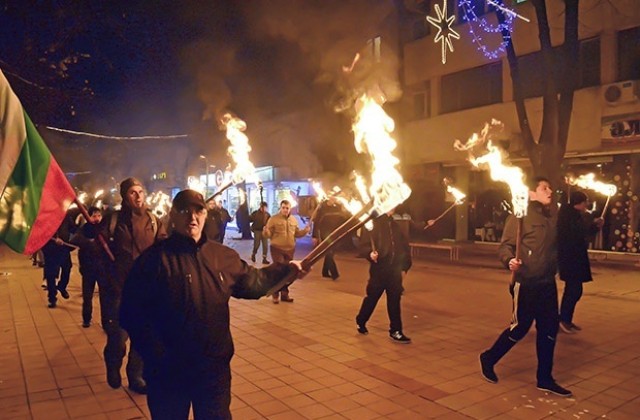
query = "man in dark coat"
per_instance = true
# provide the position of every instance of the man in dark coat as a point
(175, 306)
(573, 259)
(534, 293)
(389, 255)
(57, 261)
(330, 215)
(130, 231)
(259, 220)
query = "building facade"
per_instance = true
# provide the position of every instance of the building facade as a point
(445, 102)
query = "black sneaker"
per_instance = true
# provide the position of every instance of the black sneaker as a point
(253, 258)
(554, 388)
(487, 369)
(399, 338)
(265, 261)
(64, 293)
(52, 305)
(362, 329)
(86, 324)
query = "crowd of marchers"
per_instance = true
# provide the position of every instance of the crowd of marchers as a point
(164, 284)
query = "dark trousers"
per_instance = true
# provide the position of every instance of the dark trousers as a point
(388, 281)
(329, 267)
(116, 347)
(89, 282)
(57, 264)
(170, 399)
(570, 297)
(281, 256)
(259, 238)
(532, 302)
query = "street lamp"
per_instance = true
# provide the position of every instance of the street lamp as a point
(206, 170)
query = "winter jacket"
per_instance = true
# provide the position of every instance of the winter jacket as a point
(283, 231)
(391, 243)
(573, 258)
(538, 246)
(175, 303)
(259, 220)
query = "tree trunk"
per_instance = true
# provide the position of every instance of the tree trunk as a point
(546, 154)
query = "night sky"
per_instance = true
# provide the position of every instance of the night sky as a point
(158, 68)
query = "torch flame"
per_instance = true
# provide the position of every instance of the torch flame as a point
(511, 175)
(239, 149)
(372, 128)
(320, 194)
(457, 194)
(98, 194)
(195, 184)
(159, 202)
(588, 182)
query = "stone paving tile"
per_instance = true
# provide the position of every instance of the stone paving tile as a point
(305, 360)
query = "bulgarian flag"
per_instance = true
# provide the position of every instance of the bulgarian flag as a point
(34, 193)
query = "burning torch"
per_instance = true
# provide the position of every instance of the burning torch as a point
(458, 196)
(372, 128)
(239, 152)
(589, 182)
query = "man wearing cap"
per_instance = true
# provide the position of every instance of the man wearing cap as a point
(175, 306)
(131, 230)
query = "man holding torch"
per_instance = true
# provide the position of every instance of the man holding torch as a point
(534, 292)
(175, 306)
(389, 256)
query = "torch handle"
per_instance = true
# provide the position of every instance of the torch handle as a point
(329, 242)
(604, 209)
(442, 215)
(518, 246)
(221, 190)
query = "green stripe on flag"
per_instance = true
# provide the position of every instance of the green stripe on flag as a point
(20, 201)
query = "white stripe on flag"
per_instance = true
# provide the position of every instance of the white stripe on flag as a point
(13, 132)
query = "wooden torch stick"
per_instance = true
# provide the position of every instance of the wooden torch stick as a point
(604, 209)
(518, 246)
(221, 190)
(329, 242)
(442, 215)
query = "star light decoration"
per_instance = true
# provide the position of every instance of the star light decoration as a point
(445, 32)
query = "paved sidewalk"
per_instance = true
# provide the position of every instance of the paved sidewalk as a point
(305, 360)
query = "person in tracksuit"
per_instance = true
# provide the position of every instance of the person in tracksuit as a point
(389, 255)
(534, 293)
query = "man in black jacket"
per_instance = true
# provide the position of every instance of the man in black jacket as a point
(389, 256)
(330, 215)
(573, 259)
(534, 292)
(92, 265)
(57, 261)
(258, 221)
(175, 306)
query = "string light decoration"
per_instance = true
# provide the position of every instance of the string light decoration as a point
(485, 26)
(443, 23)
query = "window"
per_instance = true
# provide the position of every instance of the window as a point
(629, 54)
(472, 88)
(533, 79)
(421, 97)
(374, 45)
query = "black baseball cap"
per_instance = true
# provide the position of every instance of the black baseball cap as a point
(186, 198)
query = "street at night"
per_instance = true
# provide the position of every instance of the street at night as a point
(306, 360)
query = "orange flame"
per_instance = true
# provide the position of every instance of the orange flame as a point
(159, 202)
(457, 194)
(372, 135)
(589, 182)
(239, 149)
(511, 175)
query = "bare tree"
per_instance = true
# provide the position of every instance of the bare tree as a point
(546, 153)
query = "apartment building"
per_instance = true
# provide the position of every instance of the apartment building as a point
(448, 101)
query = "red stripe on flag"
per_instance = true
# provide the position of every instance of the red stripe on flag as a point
(57, 195)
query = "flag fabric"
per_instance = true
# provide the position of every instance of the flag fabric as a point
(34, 192)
